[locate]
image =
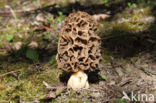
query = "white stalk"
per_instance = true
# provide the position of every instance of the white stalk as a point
(78, 80)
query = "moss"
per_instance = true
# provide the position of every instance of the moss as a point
(3, 55)
(28, 84)
(72, 97)
(127, 21)
(69, 101)
(18, 32)
(124, 32)
(24, 90)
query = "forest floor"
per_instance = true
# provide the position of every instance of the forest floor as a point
(28, 47)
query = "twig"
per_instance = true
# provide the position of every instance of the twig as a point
(48, 86)
(8, 12)
(50, 29)
(12, 72)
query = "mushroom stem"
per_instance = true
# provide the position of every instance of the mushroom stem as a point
(78, 80)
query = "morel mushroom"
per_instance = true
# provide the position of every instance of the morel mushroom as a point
(78, 48)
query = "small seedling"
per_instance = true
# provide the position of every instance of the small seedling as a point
(60, 17)
(57, 38)
(89, 95)
(46, 36)
(120, 100)
(53, 60)
(106, 2)
(49, 19)
(58, 93)
(9, 37)
(103, 76)
(132, 5)
(78, 1)
(32, 55)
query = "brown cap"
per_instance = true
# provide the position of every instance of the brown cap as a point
(78, 46)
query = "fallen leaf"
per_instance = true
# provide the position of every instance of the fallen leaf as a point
(33, 45)
(48, 86)
(17, 46)
(98, 17)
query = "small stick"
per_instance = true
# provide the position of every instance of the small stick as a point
(12, 72)
(48, 86)
(50, 29)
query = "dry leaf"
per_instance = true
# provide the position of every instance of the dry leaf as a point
(17, 46)
(98, 17)
(33, 45)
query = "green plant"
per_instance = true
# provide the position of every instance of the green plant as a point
(53, 60)
(57, 38)
(60, 17)
(106, 2)
(46, 36)
(9, 37)
(103, 76)
(78, 1)
(32, 55)
(49, 19)
(120, 100)
(132, 5)
(89, 95)
(58, 93)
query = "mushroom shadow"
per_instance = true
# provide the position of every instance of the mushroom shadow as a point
(93, 76)
(64, 77)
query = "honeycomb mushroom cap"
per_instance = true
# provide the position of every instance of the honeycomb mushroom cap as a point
(78, 46)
